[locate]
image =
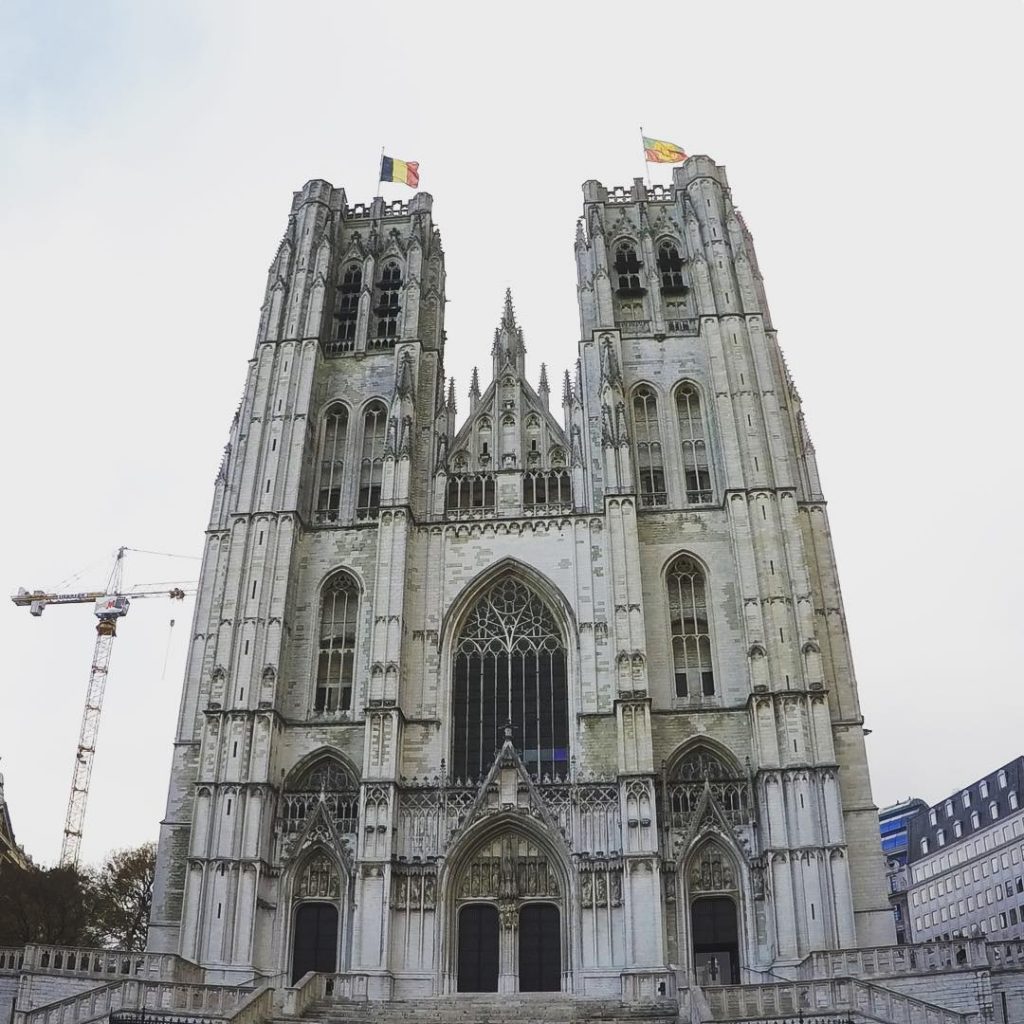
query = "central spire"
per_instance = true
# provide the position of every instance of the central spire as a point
(508, 349)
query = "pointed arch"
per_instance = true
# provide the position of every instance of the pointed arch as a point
(692, 424)
(333, 448)
(650, 457)
(686, 588)
(510, 665)
(533, 578)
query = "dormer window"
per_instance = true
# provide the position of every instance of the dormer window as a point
(627, 269)
(670, 269)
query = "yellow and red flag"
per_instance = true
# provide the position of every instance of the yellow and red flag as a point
(406, 172)
(657, 151)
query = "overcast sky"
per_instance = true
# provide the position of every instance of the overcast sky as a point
(148, 153)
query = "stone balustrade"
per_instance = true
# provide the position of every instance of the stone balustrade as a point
(220, 1002)
(11, 958)
(1003, 955)
(96, 963)
(822, 998)
(880, 961)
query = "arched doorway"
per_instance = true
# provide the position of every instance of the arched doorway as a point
(316, 924)
(316, 939)
(716, 947)
(540, 948)
(714, 917)
(478, 948)
(508, 917)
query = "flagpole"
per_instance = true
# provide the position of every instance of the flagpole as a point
(647, 165)
(380, 167)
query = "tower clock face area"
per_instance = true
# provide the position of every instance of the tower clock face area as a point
(530, 692)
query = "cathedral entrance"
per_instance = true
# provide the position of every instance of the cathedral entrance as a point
(540, 948)
(716, 948)
(478, 948)
(316, 939)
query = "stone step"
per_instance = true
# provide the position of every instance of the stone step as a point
(485, 1008)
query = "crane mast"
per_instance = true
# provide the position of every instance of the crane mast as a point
(110, 605)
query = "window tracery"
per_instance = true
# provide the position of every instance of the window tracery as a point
(346, 309)
(371, 465)
(649, 457)
(670, 269)
(686, 782)
(693, 438)
(332, 464)
(326, 780)
(510, 666)
(691, 638)
(388, 305)
(339, 613)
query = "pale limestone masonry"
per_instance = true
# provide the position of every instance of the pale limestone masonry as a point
(790, 841)
(555, 706)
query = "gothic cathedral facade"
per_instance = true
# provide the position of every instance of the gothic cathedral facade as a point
(552, 699)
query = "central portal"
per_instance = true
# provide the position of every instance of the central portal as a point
(540, 948)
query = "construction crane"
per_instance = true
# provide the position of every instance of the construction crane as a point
(109, 606)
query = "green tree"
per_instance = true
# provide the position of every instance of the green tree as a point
(52, 906)
(121, 896)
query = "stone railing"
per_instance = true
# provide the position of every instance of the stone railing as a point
(11, 958)
(1001, 955)
(219, 1002)
(880, 961)
(75, 961)
(633, 328)
(817, 999)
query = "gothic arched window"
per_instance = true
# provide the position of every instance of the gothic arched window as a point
(346, 308)
(387, 305)
(627, 268)
(510, 666)
(649, 462)
(332, 464)
(670, 268)
(371, 464)
(691, 639)
(335, 668)
(693, 438)
(326, 779)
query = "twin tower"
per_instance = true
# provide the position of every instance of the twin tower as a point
(559, 698)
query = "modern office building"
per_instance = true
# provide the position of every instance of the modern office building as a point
(966, 861)
(893, 823)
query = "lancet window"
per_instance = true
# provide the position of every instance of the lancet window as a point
(371, 464)
(545, 489)
(670, 269)
(691, 638)
(339, 613)
(649, 457)
(346, 308)
(326, 779)
(693, 438)
(627, 269)
(387, 306)
(470, 492)
(332, 464)
(510, 667)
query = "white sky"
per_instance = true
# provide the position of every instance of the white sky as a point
(148, 152)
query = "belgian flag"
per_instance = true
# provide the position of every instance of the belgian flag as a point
(405, 171)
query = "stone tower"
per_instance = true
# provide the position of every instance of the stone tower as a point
(530, 702)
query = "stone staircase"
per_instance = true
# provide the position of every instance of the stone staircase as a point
(485, 1008)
